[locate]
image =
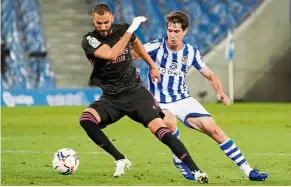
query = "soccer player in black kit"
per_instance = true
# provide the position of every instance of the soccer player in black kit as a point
(107, 48)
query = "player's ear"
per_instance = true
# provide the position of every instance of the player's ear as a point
(185, 31)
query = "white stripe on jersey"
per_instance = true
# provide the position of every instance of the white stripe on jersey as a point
(173, 67)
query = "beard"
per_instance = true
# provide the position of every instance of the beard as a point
(105, 33)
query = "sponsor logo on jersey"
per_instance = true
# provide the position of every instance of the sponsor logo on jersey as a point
(169, 72)
(120, 58)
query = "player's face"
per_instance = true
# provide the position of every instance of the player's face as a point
(175, 34)
(103, 23)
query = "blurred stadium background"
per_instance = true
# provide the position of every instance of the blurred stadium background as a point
(42, 63)
(41, 49)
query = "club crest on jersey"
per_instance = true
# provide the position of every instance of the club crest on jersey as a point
(93, 41)
(185, 59)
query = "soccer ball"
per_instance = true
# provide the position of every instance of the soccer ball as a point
(66, 161)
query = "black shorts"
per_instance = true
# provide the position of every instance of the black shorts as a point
(139, 105)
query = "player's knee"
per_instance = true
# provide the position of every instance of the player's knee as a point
(88, 116)
(170, 121)
(172, 126)
(94, 113)
(155, 124)
(218, 134)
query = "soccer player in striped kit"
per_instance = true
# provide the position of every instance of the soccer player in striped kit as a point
(174, 57)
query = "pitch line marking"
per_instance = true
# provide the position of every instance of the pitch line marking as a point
(102, 153)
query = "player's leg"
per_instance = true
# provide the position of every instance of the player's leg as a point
(208, 126)
(171, 122)
(146, 111)
(203, 122)
(92, 120)
(158, 128)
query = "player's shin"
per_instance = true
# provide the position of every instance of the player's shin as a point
(90, 125)
(234, 153)
(176, 133)
(164, 135)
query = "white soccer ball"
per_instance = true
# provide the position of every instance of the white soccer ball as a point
(66, 161)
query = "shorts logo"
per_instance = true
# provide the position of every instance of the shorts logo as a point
(93, 41)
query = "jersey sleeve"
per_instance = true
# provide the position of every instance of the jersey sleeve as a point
(197, 62)
(152, 47)
(133, 36)
(90, 44)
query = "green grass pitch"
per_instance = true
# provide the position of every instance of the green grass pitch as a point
(31, 135)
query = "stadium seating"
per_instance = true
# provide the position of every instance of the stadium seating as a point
(209, 19)
(28, 64)
(22, 32)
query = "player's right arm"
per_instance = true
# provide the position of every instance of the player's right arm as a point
(94, 47)
(108, 53)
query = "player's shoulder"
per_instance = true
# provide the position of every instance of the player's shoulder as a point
(91, 33)
(90, 39)
(160, 40)
(191, 47)
(120, 26)
(89, 36)
(156, 42)
(119, 29)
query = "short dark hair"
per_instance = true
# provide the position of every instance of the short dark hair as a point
(101, 9)
(178, 17)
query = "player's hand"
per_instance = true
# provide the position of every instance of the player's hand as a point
(223, 98)
(155, 74)
(135, 23)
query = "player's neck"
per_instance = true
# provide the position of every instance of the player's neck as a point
(176, 48)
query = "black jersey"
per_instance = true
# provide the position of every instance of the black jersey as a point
(117, 76)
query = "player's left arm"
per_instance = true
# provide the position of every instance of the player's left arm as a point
(216, 84)
(139, 51)
(213, 79)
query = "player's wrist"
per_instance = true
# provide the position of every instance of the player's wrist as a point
(153, 66)
(220, 93)
(154, 69)
(130, 30)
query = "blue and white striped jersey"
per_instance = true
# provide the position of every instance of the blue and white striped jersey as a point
(173, 66)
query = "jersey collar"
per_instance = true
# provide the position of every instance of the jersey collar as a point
(166, 39)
